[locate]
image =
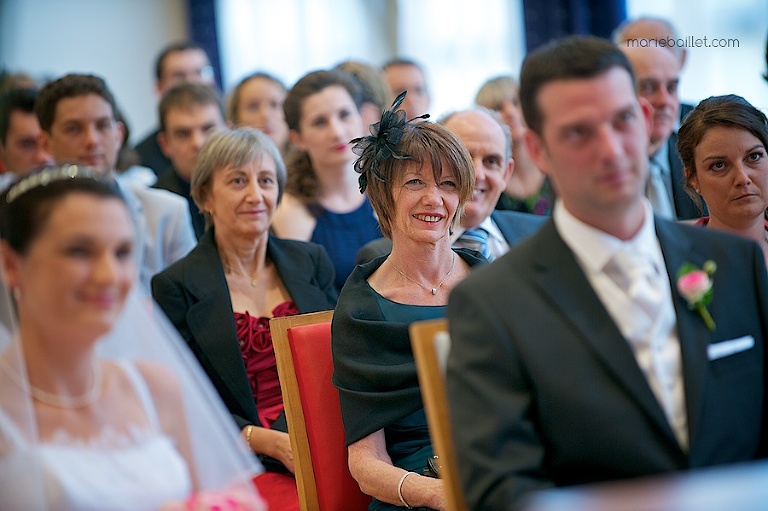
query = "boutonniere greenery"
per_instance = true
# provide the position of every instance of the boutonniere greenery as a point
(695, 284)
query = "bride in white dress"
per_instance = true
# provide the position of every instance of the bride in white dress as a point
(102, 407)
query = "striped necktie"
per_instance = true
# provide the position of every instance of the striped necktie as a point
(475, 239)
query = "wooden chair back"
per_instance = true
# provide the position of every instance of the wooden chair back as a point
(430, 343)
(302, 346)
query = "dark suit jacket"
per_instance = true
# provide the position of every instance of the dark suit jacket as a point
(172, 182)
(193, 293)
(151, 155)
(544, 390)
(514, 226)
(685, 109)
(685, 208)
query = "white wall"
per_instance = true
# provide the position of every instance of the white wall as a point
(115, 39)
(459, 44)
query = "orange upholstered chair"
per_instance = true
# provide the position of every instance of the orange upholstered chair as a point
(430, 344)
(303, 351)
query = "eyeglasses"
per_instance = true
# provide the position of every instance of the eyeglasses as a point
(203, 74)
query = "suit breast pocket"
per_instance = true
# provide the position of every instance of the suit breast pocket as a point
(739, 356)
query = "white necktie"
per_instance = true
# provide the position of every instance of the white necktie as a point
(657, 193)
(659, 358)
(637, 275)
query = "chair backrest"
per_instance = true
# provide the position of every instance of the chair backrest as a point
(430, 344)
(302, 346)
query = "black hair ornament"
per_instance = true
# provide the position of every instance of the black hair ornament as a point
(374, 149)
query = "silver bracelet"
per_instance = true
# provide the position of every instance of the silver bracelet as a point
(400, 488)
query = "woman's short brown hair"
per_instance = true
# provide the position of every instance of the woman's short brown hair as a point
(424, 143)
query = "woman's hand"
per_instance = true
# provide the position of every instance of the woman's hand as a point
(426, 491)
(372, 468)
(272, 443)
(281, 450)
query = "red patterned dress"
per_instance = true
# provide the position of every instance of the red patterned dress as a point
(259, 358)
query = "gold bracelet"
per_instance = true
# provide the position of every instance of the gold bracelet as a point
(400, 489)
(248, 432)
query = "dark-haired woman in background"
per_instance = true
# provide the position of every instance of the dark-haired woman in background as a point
(722, 144)
(323, 203)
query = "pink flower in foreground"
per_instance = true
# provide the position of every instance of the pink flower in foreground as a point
(694, 285)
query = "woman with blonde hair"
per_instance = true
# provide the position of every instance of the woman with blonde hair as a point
(528, 189)
(257, 101)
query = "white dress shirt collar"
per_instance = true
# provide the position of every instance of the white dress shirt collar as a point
(593, 248)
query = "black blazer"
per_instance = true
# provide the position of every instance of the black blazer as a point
(193, 293)
(544, 389)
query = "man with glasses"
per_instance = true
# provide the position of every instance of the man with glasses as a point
(178, 63)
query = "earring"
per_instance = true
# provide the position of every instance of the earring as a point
(16, 292)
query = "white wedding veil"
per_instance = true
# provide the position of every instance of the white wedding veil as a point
(219, 463)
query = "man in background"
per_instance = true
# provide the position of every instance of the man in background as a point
(177, 63)
(654, 29)
(20, 149)
(657, 77)
(189, 112)
(77, 118)
(407, 75)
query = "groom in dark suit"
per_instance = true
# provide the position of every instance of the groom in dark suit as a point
(572, 364)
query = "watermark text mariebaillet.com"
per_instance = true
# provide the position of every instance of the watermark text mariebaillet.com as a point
(683, 42)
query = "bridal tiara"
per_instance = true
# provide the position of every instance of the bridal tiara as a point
(45, 176)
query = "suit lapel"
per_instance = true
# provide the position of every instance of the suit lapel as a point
(297, 271)
(211, 320)
(565, 283)
(505, 227)
(515, 226)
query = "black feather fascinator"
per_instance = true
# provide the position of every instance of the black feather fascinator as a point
(382, 144)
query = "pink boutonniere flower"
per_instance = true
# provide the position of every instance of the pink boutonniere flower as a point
(696, 287)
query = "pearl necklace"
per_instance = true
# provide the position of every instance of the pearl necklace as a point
(72, 402)
(433, 290)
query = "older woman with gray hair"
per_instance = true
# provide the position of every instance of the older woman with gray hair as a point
(222, 295)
